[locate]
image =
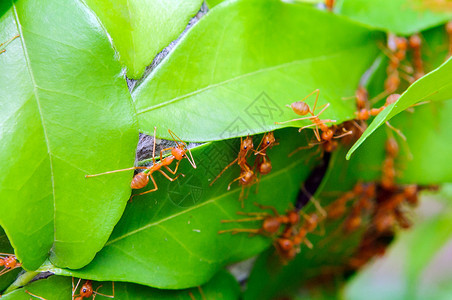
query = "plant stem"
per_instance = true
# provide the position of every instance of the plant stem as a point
(21, 281)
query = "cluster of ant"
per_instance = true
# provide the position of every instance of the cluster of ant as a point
(250, 175)
(383, 201)
(288, 231)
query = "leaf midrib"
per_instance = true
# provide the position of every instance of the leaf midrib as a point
(244, 75)
(38, 103)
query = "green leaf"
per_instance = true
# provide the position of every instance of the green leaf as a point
(222, 286)
(178, 224)
(435, 86)
(141, 29)
(235, 71)
(212, 3)
(65, 112)
(403, 17)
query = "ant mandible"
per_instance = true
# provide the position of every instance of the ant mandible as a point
(140, 180)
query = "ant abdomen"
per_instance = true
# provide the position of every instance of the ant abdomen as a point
(139, 181)
(300, 108)
(271, 225)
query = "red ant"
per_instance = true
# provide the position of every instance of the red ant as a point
(415, 43)
(263, 163)
(9, 263)
(288, 244)
(302, 108)
(354, 220)
(247, 178)
(271, 222)
(140, 180)
(246, 146)
(364, 114)
(327, 135)
(389, 172)
(449, 33)
(337, 209)
(86, 290)
(7, 42)
(329, 4)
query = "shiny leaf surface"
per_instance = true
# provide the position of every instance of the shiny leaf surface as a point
(235, 71)
(141, 29)
(404, 17)
(65, 112)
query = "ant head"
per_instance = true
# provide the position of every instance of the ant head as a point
(327, 135)
(415, 41)
(361, 93)
(269, 139)
(285, 244)
(300, 108)
(247, 144)
(87, 289)
(178, 153)
(401, 43)
(294, 217)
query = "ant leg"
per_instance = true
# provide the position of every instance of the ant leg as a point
(344, 134)
(76, 287)
(150, 191)
(308, 243)
(175, 169)
(153, 146)
(298, 119)
(191, 296)
(201, 292)
(36, 296)
(116, 171)
(238, 178)
(261, 214)
(316, 98)
(169, 178)
(108, 296)
(275, 212)
(301, 148)
(218, 176)
(244, 220)
(398, 131)
(240, 230)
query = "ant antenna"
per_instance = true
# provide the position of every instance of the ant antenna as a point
(174, 136)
